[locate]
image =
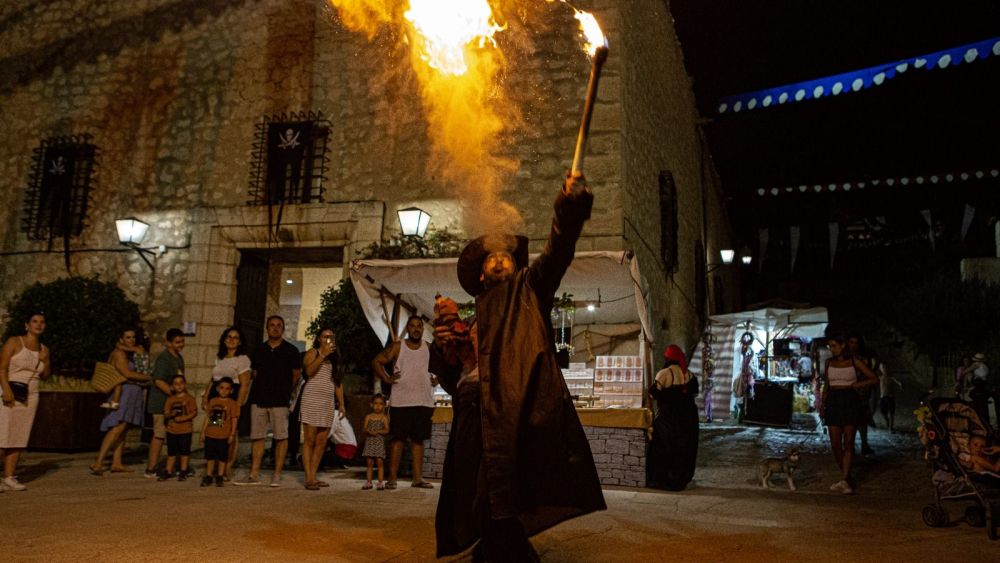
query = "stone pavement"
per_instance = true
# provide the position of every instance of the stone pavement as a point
(724, 516)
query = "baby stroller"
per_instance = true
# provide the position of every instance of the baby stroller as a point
(946, 432)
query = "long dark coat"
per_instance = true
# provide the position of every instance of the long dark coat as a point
(532, 459)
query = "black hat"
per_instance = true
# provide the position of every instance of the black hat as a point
(470, 262)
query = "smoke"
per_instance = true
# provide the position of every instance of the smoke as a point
(470, 119)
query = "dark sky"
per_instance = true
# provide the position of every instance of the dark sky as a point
(921, 123)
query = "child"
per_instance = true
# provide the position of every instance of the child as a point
(219, 431)
(179, 410)
(376, 427)
(978, 452)
(140, 362)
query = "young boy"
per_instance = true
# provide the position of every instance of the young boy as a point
(179, 410)
(168, 364)
(219, 431)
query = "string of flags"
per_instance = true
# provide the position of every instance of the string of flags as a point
(858, 80)
(903, 181)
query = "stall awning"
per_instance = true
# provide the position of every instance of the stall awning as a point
(810, 323)
(609, 279)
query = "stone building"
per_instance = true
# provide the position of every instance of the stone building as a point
(177, 99)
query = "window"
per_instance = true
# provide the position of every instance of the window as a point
(55, 205)
(289, 160)
(668, 221)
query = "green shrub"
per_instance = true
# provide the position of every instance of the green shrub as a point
(83, 318)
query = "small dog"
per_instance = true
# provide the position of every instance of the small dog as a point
(773, 465)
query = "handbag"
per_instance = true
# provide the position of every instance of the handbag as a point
(342, 436)
(20, 391)
(105, 377)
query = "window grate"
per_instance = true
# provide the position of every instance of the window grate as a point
(289, 159)
(55, 204)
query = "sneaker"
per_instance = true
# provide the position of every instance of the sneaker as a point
(248, 480)
(275, 481)
(219, 481)
(182, 475)
(846, 489)
(839, 486)
(150, 474)
(12, 484)
(206, 481)
(163, 476)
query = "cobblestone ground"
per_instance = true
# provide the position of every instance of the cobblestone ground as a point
(724, 516)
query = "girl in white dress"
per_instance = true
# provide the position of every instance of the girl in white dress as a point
(24, 360)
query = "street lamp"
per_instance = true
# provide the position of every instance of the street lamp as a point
(727, 255)
(745, 257)
(131, 233)
(413, 221)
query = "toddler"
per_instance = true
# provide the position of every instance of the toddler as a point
(219, 431)
(179, 410)
(376, 427)
(140, 363)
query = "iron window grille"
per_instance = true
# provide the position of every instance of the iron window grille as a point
(55, 204)
(289, 160)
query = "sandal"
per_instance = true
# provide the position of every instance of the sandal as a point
(96, 471)
(367, 486)
(390, 485)
(312, 486)
(322, 484)
(422, 485)
(380, 486)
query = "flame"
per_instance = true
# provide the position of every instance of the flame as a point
(593, 36)
(445, 28)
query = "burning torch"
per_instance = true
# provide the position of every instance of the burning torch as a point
(597, 47)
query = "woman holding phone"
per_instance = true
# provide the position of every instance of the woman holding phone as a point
(322, 386)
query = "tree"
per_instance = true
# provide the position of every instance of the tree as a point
(83, 318)
(341, 311)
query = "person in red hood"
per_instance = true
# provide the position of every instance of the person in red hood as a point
(673, 451)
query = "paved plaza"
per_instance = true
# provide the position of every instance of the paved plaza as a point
(68, 514)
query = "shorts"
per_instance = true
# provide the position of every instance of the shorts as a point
(844, 407)
(159, 427)
(217, 449)
(262, 418)
(178, 444)
(410, 422)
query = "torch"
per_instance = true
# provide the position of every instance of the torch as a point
(597, 46)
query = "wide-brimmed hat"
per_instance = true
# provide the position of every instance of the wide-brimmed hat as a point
(470, 262)
(979, 357)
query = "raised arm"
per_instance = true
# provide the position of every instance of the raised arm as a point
(870, 378)
(572, 209)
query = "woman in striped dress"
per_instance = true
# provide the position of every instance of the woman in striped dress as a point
(23, 360)
(317, 408)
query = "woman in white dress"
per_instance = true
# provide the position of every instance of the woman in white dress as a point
(233, 362)
(24, 360)
(317, 410)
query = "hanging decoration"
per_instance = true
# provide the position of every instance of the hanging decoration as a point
(563, 315)
(834, 229)
(794, 234)
(889, 182)
(858, 80)
(967, 216)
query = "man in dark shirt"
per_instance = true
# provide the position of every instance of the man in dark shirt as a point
(276, 367)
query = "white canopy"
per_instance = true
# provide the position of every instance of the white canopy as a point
(610, 280)
(810, 323)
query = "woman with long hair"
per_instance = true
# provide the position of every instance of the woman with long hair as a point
(317, 410)
(131, 409)
(24, 360)
(233, 362)
(673, 449)
(841, 407)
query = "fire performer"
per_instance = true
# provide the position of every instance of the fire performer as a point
(517, 461)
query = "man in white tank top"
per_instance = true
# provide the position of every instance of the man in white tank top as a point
(411, 401)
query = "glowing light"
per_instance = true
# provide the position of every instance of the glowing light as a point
(446, 28)
(593, 36)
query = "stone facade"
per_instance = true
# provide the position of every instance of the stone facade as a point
(172, 92)
(619, 454)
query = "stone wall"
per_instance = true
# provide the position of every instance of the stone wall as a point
(619, 454)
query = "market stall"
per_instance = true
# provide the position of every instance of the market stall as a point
(600, 326)
(754, 365)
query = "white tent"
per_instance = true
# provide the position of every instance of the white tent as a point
(767, 325)
(610, 280)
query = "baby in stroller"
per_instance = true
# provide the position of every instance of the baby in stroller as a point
(983, 458)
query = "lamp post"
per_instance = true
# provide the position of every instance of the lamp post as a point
(131, 233)
(745, 257)
(413, 221)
